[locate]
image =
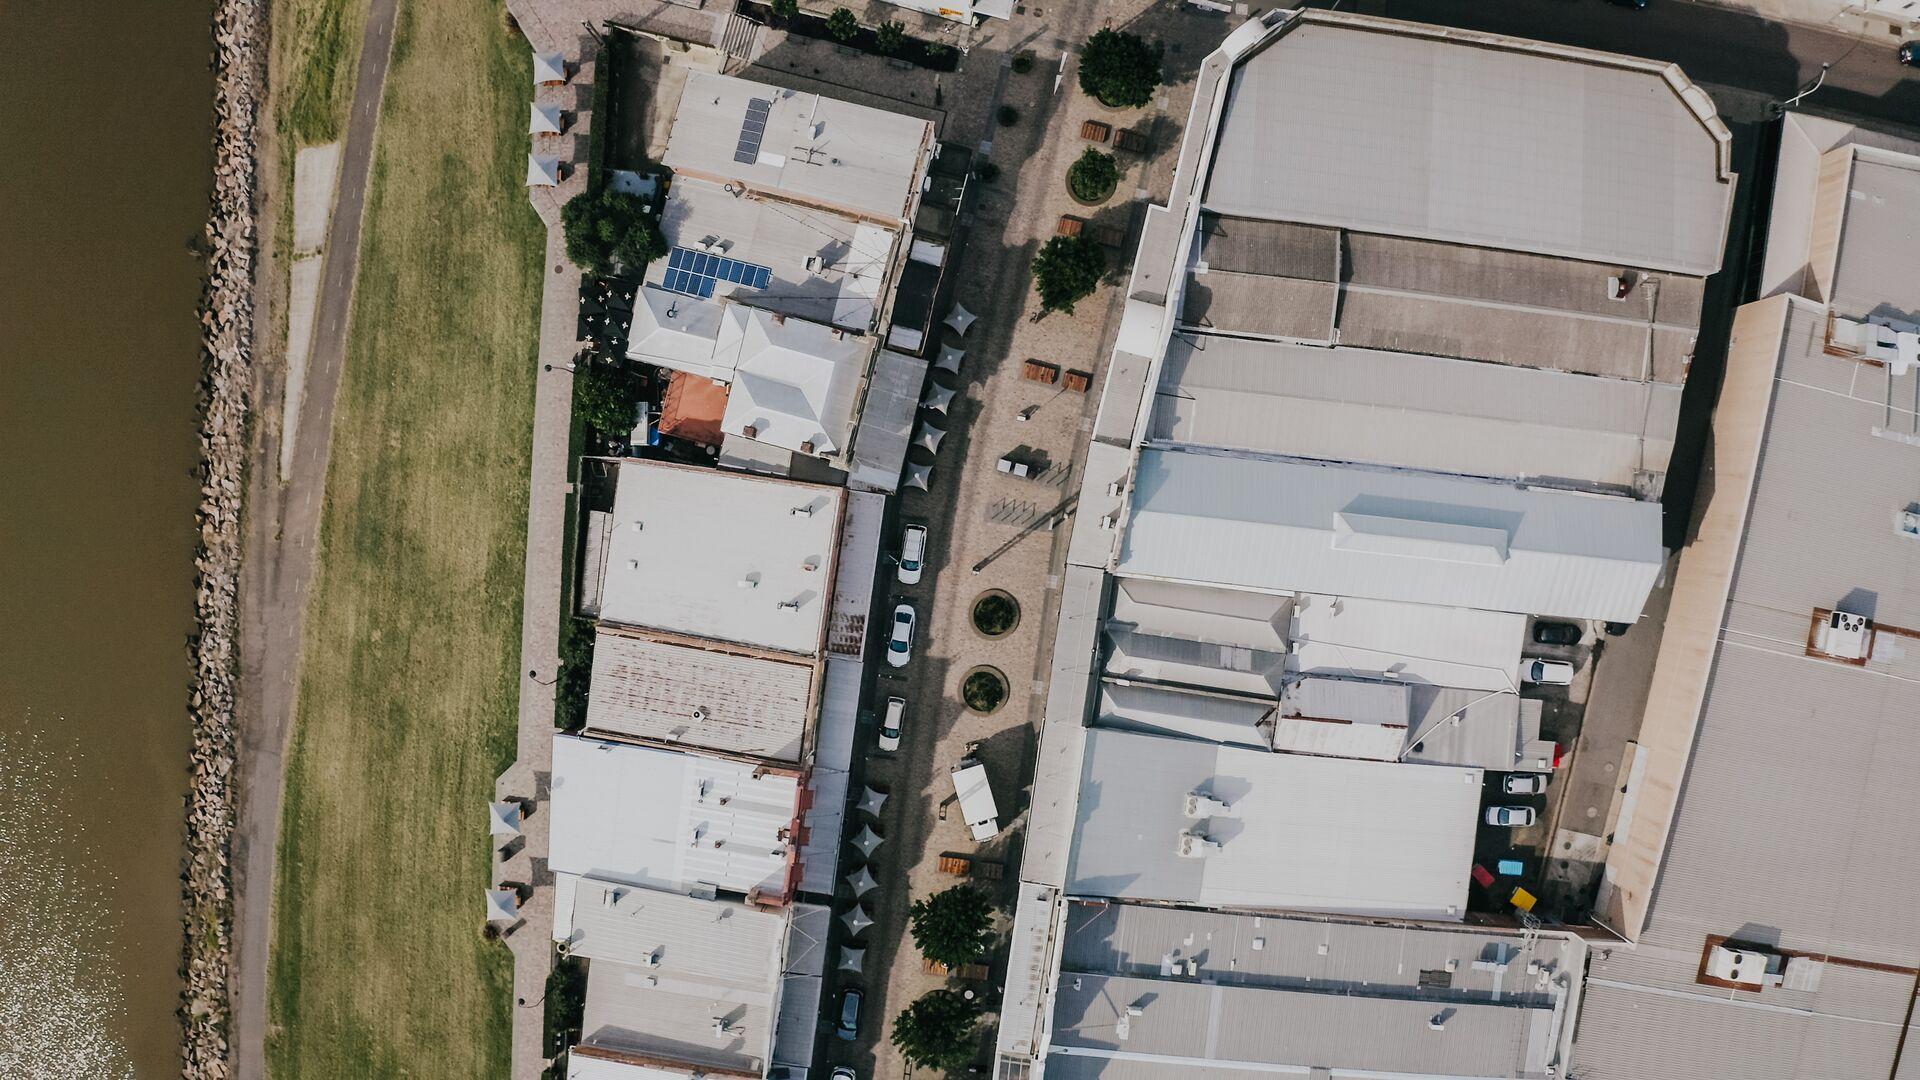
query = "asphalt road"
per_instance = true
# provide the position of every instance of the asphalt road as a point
(1713, 44)
(283, 532)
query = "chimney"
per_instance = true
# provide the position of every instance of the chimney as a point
(807, 447)
(750, 431)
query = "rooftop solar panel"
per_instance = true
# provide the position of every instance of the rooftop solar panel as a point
(697, 273)
(753, 127)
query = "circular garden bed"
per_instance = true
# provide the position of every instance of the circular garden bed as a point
(984, 689)
(995, 613)
(1092, 179)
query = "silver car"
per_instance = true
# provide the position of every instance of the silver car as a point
(900, 644)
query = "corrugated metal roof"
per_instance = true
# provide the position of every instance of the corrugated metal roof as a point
(1156, 710)
(809, 147)
(1875, 270)
(1414, 643)
(854, 575)
(1225, 616)
(797, 1028)
(886, 420)
(1796, 825)
(1183, 1022)
(652, 689)
(1290, 526)
(1031, 955)
(668, 819)
(1502, 145)
(1422, 412)
(1063, 732)
(1313, 834)
(685, 540)
(661, 962)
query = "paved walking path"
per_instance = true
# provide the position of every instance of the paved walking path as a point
(283, 533)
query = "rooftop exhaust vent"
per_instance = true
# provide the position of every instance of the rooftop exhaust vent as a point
(1743, 967)
(1194, 844)
(1205, 806)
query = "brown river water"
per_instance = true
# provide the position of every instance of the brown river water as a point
(103, 187)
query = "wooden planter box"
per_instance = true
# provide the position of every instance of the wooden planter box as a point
(1070, 225)
(1041, 372)
(1078, 381)
(1131, 141)
(1095, 131)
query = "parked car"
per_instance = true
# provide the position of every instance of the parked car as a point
(913, 553)
(1910, 53)
(1524, 783)
(900, 645)
(1533, 670)
(890, 723)
(844, 1072)
(849, 1026)
(1618, 629)
(1557, 633)
(1513, 817)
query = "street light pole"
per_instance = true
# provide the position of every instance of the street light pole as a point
(1818, 81)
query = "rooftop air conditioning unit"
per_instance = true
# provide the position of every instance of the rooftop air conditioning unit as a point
(699, 714)
(1845, 636)
(1196, 845)
(1203, 806)
(1745, 967)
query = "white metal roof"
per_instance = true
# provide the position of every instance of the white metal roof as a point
(1291, 526)
(1355, 996)
(886, 419)
(1160, 710)
(825, 266)
(699, 697)
(1303, 833)
(808, 147)
(679, 332)
(668, 819)
(691, 1023)
(586, 1066)
(854, 580)
(793, 381)
(827, 782)
(1392, 128)
(720, 945)
(1421, 412)
(1418, 643)
(1874, 270)
(721, 555)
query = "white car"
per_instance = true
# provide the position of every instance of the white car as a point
(890, 723)
(1547, 672)
(913, 554)
(1524, 784)
(900, 645)
(1513, 817)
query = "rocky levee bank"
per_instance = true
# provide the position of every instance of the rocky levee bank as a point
(226, 323)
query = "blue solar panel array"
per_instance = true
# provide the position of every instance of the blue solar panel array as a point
(695, 273)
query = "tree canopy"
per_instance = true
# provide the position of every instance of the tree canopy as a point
(888, 39)
(1067, 270)
(1093, 176)
(938, 1031)
(842, 25)
(606, 399)
(611, 232)
(1120, 69)
(953, 927)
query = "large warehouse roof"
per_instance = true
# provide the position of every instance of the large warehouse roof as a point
(1289, 526)
(721, 555)
(799, 145)
(671, 820)
(1491, 142)
(1303, 833)
(1418, 412)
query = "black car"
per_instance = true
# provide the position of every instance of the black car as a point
(1557, 633)
(1910, 54)
(849, 1027)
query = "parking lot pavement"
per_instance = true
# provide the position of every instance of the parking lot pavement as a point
(1587, 787)
(989, 530)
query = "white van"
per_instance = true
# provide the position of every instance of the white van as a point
(976, 799)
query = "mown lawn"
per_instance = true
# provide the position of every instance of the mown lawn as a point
(408, 690)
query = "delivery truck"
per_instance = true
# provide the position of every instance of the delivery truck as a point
(976, 799)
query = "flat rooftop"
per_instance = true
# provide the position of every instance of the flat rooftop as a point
(1473, 139)
(1873, 274)
(666, 819)
(700, 696)
(726, 556)
(821, 265)
(799, 146)
(664, 966)
(1357, 997)
(1300, 833)
(1282, 525)
(1415, 411)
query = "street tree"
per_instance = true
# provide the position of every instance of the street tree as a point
(1120, 69)
(938, 1032)
(888, 39)
(1067, 270)
(953, 927)
(842, 25)
(611, 232)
